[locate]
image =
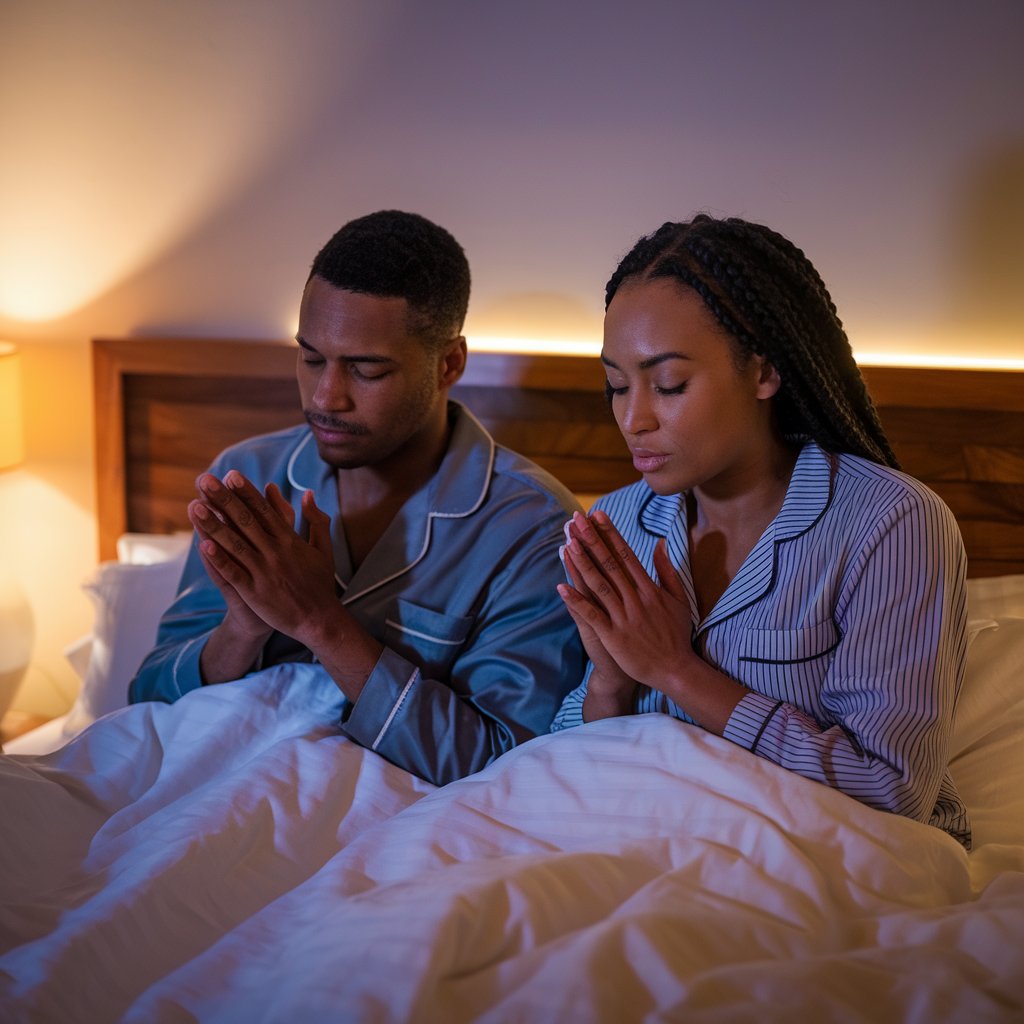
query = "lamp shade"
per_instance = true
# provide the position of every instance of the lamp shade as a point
(11, 450)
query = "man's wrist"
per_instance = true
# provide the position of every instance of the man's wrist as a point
(344, 648)
(230, 652)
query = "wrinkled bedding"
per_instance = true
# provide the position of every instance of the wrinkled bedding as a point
(232, 857)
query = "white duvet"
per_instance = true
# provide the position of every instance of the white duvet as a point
(232, 858)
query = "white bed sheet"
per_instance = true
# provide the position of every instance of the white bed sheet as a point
(232, 858)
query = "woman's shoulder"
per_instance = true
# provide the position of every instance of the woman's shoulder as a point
(879, 491)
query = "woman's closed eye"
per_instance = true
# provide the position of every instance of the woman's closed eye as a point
(611, 389)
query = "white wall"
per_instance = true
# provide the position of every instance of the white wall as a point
(172, 168)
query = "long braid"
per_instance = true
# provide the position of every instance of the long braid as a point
(767, 295)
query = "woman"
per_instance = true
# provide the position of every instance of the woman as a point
(773, 577)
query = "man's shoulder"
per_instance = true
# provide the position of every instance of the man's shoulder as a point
(515, 474)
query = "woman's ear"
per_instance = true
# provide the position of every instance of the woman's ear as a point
(768, 379)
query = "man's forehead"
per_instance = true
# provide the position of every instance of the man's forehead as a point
(352, 323)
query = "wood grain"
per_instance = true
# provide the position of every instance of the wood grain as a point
(166, 407)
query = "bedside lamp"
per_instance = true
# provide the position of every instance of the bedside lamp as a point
(16, 625)
(11, 451)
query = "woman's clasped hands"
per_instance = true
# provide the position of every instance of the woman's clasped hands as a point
(633, 628)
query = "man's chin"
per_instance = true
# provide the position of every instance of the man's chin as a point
(337, 458)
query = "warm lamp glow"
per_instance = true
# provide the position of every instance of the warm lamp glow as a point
(11, 452)
(938, 361)
(592, 347)
(535, 346)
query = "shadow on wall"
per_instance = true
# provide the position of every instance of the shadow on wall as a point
(987, 266)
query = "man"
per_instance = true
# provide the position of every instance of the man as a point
(389, 539)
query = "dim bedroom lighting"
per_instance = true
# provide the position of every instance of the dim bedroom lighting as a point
(16, 625)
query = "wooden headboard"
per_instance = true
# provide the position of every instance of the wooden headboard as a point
(165, 408)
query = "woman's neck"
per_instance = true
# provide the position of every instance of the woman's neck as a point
(725, 522)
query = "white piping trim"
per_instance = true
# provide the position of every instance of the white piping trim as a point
(181, 654)
(422, 636)
(291, 463)
(394, 709)
(289, 472)
(436, 515)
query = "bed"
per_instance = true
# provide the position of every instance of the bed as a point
(233, 858)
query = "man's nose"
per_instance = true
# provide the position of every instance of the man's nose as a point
(333, 389)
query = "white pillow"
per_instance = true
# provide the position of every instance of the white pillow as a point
(130, 595)
(995, 597)
(987, 748)
(129, 600)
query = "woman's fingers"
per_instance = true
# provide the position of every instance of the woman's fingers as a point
(601, 566)
(627, 562)
(667, 572)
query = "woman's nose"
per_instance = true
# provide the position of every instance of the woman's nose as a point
(636, 415)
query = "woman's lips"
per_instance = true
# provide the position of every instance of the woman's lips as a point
(648, 462)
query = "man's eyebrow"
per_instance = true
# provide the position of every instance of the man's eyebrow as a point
(347, 359)
(646, 364)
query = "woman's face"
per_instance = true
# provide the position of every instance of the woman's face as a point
(695, 414)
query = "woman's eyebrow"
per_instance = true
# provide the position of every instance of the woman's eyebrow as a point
(646, 364)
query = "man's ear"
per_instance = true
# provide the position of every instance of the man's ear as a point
(452, 362)
(768, 379)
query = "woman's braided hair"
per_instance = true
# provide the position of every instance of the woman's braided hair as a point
(766, 294)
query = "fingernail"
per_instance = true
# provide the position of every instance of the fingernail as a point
(200, 510)
(233, 479)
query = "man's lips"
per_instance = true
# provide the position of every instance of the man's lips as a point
(334, 431)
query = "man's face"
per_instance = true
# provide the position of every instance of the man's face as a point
(371, 392)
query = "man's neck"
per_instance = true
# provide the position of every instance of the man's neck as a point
(369, 497)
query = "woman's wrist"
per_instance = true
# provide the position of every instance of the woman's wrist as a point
(609, 695)
(704, 692)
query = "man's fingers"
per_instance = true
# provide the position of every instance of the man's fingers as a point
(277, 502)
(238, 503)
(213, 530)
(319, 523)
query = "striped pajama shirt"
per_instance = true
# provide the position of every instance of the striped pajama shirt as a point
(846, 622)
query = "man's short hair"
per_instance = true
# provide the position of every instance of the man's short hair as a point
(392, 254)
